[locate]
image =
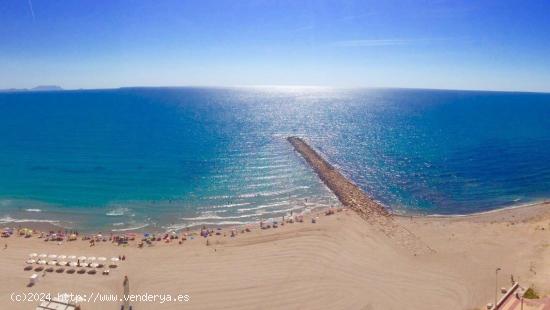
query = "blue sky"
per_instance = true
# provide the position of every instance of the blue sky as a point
(497, 45)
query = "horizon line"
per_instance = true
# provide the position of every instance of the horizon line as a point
(282, 86)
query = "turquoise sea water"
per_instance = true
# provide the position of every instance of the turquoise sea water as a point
(176, 157)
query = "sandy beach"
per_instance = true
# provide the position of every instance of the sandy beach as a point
(339, 262)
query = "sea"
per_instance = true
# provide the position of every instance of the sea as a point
(170, 158)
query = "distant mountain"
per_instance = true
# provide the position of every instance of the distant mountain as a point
(46, 88)
(37, 88)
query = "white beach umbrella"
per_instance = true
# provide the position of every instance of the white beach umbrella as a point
(91, 258)
(42, 262)
(73, 264)
(71, 257)
(62, 263)
(52, 263)
(82, 258)
(43, 255)
(62, 256)
(114, 259)
(101, 259)
(94, 265)
(33, 255)
(31, 261)
(52, 256)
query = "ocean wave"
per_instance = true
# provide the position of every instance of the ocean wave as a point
(273, 193)
(267, 167)
(33, 210)
(9, 219)
(177, 227)
(208, 216)
(131, 228)
(117, 212)
(268, 177)
(269, 205)
(230, 205)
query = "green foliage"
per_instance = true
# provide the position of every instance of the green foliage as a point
(530, 293)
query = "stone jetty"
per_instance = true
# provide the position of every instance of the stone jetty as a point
(351, 196)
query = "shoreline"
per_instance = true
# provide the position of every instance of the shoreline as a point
(41, 224)
(357, 200)
(309, 255)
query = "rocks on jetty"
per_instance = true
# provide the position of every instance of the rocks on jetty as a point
(351, 196)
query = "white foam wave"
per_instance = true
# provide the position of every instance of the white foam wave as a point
(131, 228)
(230, 205)
(266, 167)
(117, 212)
(33, 210)
(273, 193)
(9, 219)
(270, 205)
(208, 216)
(177, 227)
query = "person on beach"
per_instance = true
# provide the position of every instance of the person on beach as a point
(5, 246)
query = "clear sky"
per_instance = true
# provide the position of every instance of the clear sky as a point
(498, 45)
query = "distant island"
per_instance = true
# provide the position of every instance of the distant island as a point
(37, 88)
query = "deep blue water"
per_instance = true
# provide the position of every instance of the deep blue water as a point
(116, 159)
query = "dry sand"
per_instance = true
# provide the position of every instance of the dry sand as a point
(341, 262)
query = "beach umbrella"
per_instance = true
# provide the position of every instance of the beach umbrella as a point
(73, 264)
(62, 256)
(52, 263)
(71, 257)
(42, 262)
(62, 263)
(114, 259)
(91, 258)
(43, 255)
(101, 259)
(82, 258)
(52, 256)
(94, 265)
(31, 261)
(33, 255)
